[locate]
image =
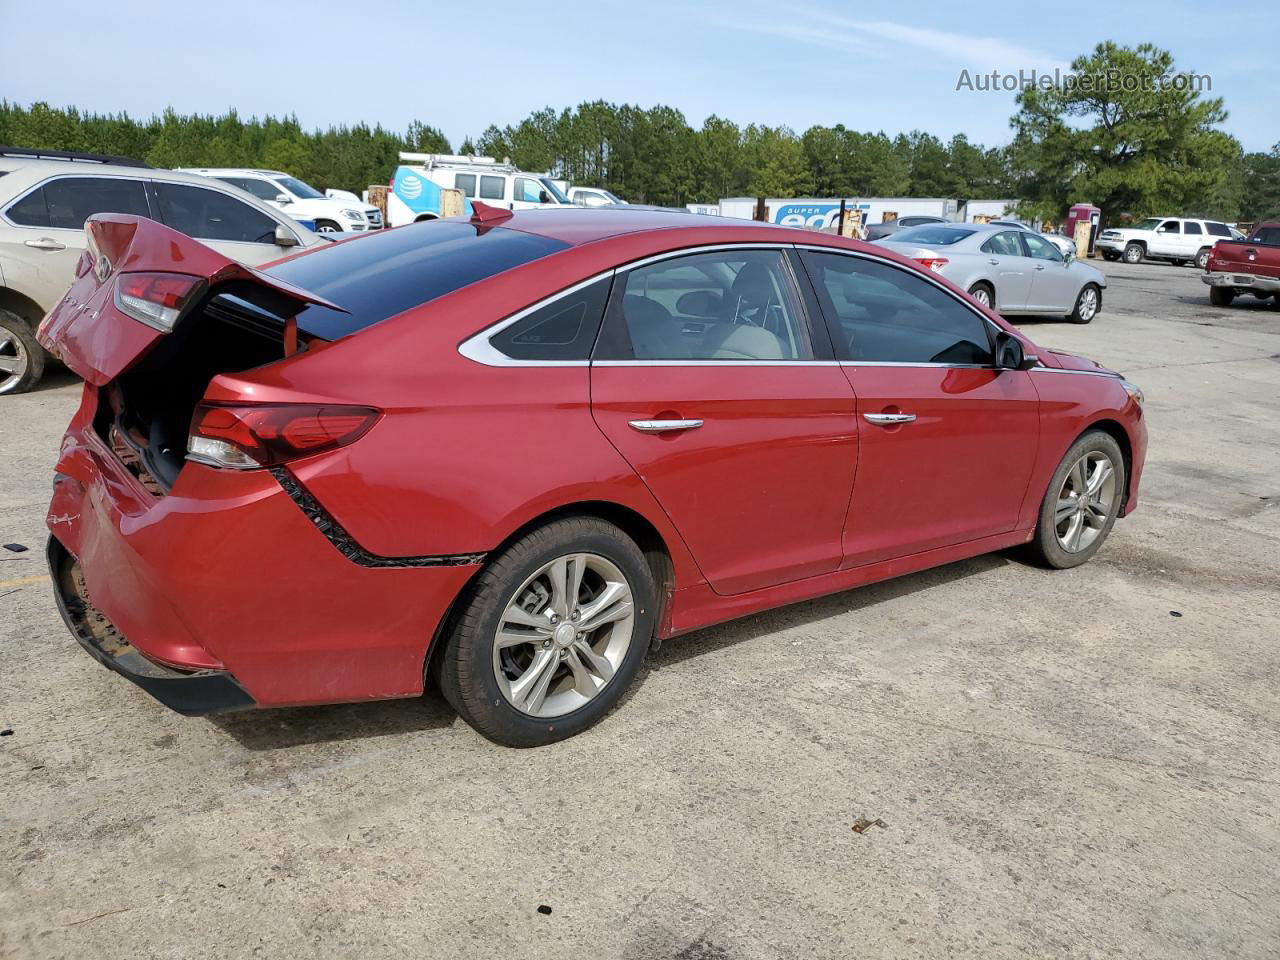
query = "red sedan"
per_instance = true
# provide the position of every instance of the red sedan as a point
(514, 452)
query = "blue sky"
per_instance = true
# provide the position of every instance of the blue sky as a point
(461, 66)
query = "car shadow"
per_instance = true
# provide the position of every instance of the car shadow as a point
(286, 728)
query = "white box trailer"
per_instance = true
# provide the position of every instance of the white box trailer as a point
(984, 211)
(820, 213)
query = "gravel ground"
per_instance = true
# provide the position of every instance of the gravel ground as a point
(1080, 764)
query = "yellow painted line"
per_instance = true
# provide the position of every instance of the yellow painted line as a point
(23, 581)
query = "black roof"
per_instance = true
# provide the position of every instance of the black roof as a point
(36, 153)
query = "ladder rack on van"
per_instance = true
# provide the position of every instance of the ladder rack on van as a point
(432, 161)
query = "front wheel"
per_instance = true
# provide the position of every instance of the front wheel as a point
(1082, 502)
(1087, 304)
(1134, 253)
(551, 634)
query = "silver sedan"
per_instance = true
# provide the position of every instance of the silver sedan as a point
(1014, 270)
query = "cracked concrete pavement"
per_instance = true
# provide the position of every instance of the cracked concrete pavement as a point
(1064, 766)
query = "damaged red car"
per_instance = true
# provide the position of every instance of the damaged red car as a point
(511, 453)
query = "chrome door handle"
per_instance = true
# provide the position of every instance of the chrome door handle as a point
(45, 243)
(888, 419)
(663, 426)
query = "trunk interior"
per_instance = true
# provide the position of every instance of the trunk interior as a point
(145, 414)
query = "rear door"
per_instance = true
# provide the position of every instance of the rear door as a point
(948, 441)
(1005, 255)
(711, 380)
(220, 221)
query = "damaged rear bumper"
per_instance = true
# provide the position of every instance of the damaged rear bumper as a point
(191, 693)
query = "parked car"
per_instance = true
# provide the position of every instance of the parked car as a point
(640, 423)
(881, 230)
(414, 193)
(299, 200)
(592, 197)
(1013, 270)
(1176, 239)
(45, 196)
(1066, 246)
(1252, 266)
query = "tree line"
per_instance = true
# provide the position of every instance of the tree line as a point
(1134, 153)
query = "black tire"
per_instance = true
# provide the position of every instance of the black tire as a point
(1045, 547)
(1134, 252)
(465, 667)
(981, 289)
(1178, 263)
(1202, 259)
(1081, 312)
(328, 226)
(20, 351)
(1109, 255)
(1221, 296)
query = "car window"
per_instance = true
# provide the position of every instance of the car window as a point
(564, 329)
(1192, 227)
(918, 221)
(1170, 226)
(1217, 229)
(492, 188)
(882, 313)
(299, 189)
(466, 182)
(1004, 244)
(528, 191)
(67, 202)
(213, 215)
(262, 189)
(1040, 248)
(730, 305)
(1267, 235)
(933, 235)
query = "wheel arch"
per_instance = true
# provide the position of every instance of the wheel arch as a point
(423, 217)
(1116, 430)
(21, 305)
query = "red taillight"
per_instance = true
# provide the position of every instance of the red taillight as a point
(264, 435)
(156, 299)
(933, 263)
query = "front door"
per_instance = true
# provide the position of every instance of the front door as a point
(708, 378)
(1053, 288)
(947, 440)
(1167, 240)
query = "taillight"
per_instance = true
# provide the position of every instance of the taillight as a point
(263, 435)
(156, 299)
(933, 263)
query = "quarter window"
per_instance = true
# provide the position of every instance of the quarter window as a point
(466, 182)
(564, 329)
(212, 215)
(884, 314)
(492, 188)
(67, 202)
(731, 305)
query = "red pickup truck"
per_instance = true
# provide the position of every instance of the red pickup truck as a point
(1245, 266)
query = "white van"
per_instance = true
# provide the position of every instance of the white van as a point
(415, 188)
(593, 197)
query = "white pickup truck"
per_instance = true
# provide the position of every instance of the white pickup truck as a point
(1177, 239)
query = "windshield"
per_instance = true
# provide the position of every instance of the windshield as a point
(553, 189)
(299, 189)
(1149, 224)
(934, 235)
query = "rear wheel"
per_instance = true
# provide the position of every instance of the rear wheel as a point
(1109, 255)
(327, 226)
(983, 293)
(1178, 263)
(1134, 253)
(1221, 296)
(1202, 259)
(551, 635)
(1087, 304)
(21, 357)
(1082, 502)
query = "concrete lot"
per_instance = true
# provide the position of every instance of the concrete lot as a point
(1065, 766)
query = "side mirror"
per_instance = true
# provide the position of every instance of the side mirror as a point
(285, 238)
(1067, 257)
(1011, 356)
(544, 197)
(283, 198)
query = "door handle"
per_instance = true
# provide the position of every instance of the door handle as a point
(663, 426)
(1040, 266)
(994, 262)
(888, 419)
(45, 243)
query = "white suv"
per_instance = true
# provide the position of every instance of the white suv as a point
(1177, 239)
(45, 196)
(299, 200)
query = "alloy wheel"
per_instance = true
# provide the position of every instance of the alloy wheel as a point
(1085, 502)
(13, 360)
(1133, 254)
(1088, 305)
(563, 635)
(326, 228)
(980, 294)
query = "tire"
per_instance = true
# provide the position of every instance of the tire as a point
(1202, 259)
(1051, 545)
(1109, 255)
(514, 595)
(1134, 253)
(1088, 303)
(1221, 296)
(984, 294)
(21, 356)
(327, 226)
(1178, 263)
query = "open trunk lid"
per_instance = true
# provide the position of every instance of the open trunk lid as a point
(90, 329)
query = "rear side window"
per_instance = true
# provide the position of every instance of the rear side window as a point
(213, 215)
(564, 329)
(1217, 229)
(492, 188)
(385, 273)
(67, 202)
(880, 313)
(466, 182)
(1192, 227)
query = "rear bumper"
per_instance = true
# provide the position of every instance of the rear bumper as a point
(228, 577)
(1241, 281)
(193, 694)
